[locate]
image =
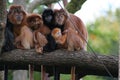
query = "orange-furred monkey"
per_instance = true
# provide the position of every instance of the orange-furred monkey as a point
(70, 21)
(23, 35)
(40, 31)
(69, 38)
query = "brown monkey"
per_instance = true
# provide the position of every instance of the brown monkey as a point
(67, 20)
(40, 31)
(23, 35)
(69, 38)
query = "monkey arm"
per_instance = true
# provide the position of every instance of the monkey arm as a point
(62, 39)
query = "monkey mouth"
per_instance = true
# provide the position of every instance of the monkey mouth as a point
(18, 22)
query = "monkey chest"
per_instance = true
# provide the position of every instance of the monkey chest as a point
(17, 31)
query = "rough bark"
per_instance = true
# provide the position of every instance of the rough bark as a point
(3, 14)
(36, 3)
(86, 63)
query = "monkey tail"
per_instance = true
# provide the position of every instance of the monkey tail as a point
(5, 72)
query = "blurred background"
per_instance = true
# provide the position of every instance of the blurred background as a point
(102, 20)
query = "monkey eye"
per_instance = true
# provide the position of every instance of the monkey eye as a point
(61, 16)
(59, 33)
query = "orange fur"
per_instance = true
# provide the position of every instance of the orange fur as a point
(70, 38)
(34, 21)
(25, 38)
(36, 24)
(23, 35)
(59, 38)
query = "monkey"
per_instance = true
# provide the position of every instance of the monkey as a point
(23, 35)
(27, 42)
(49, 21)
(69, 38)
(40, 41)
(8, 44)
(40, 32)
(57, 35)
(68, 20)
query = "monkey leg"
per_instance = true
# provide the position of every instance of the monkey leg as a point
(43, 73)
(19, 46)
(5, 72)
(31, 71)
(38, 49)
(73, 73)
(56, 73)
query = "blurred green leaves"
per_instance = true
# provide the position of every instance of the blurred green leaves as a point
(103, 33)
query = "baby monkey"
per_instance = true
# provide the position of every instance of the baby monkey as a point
(68, 39)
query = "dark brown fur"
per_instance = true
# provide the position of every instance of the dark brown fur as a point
(68, 20)
(71, 24)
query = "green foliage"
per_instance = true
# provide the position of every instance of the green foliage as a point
(62, 77)
(39, 9)
(37, 75)
(103, 36)
(74, 5)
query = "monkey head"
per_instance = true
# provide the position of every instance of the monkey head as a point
(48, 15)
(60, 16)
(16, 14)
(34, 21)
(56, 33)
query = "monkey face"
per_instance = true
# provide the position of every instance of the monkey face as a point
(47, 15)
(60, 16)
(48, 18)
(34, 21)
(56, 33)
(18, 17)
(60, 19)
(16, 14)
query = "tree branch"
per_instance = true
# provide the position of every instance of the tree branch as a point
(3, 14)
(86, 63)
(36, 3)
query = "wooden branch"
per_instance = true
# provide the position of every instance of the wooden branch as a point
(86, 63)
(3, 14)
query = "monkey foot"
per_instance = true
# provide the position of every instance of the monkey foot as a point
(39, 50)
